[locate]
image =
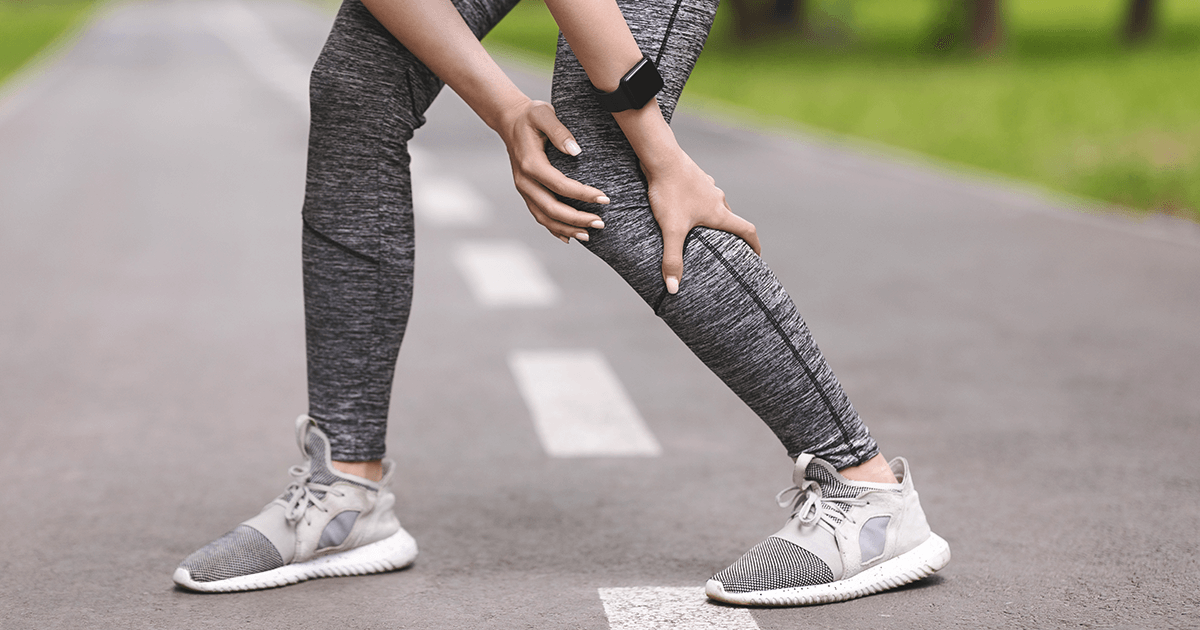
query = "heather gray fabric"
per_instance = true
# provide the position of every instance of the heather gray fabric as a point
(368, 96)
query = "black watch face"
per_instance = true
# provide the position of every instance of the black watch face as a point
(643, 82)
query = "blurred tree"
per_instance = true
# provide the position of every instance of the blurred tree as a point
(1139, 21)
(984, 25)
(754, 19)
(976, 23)
(789, 14)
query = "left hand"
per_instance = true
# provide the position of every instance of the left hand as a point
(682, 196)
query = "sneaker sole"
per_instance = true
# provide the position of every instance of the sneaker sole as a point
(394, 552)
(918, 563)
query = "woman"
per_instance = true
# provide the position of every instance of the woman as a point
(615, 180)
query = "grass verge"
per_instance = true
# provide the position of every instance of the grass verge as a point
(28, 26)
(1065, 104)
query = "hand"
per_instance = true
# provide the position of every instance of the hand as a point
(524, 131)
(682, 197)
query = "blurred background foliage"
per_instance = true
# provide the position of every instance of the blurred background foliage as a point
(1098, 98)
(27, 26)
(1075, 95)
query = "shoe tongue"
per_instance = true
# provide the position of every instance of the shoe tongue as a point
(833, 486)
(316, 447)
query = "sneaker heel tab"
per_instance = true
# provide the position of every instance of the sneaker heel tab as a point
(899, 468)
(303, 422)
(800, 472)
(389, 467)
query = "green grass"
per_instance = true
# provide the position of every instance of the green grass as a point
(1065, 104)
(27, 26)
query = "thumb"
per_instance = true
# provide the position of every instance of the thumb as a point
(672, 261)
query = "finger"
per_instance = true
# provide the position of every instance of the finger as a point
(560, 230)
(564, 232)
(539, 169)
(741, 228)
(672, 262)
(546, 121)
(541, 201)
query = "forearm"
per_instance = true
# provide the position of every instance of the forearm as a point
(434, 31)
(606, 49)
(437, 34)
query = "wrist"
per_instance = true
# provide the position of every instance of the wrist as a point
(507, 110)
(651, 138)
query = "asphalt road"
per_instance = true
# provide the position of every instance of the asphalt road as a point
(1037, 365)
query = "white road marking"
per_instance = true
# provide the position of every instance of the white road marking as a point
(253, 40)
(447, 201)
(578, 405)
(674, 608)
(504, 274)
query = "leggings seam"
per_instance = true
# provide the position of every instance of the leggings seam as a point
(786, 340)
(308, 226)
(667, 35)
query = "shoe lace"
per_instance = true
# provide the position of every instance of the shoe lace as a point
(809, 506)
(303, 493)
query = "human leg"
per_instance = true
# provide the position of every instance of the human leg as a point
(737, 318)
(730, 309)
(368, 95)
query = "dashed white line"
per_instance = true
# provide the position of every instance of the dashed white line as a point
(504, 274)
(578, 405)
(662, 608)
(447, 201)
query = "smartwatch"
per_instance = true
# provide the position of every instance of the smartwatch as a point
(637, 87)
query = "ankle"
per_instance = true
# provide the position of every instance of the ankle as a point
(372, 470)
(875, 470)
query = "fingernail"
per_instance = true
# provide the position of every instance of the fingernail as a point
(672, 285)
(602, 199)
(564, 239)
(573, 147)
(582, 236)
(598, 224)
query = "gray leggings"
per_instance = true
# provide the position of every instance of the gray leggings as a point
(369, 94)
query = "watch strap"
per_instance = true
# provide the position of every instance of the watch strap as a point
(636, 88)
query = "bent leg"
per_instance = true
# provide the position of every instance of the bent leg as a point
(730, 310)
(368, 96)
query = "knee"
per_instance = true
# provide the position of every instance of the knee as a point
(634, 250)
(365, 78)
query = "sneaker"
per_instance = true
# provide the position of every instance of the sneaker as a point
(326, 523)
(845, 539)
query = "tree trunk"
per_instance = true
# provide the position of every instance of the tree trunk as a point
(790, 14)
(1139, 24)
(753, 19)
(746, 24)
(984, 26)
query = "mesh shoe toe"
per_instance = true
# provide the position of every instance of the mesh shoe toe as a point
(845, 539)
(326, 523)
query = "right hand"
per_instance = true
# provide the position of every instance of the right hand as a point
(525, 128)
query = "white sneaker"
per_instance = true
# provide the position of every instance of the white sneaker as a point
(845, 539)
(325, 523)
